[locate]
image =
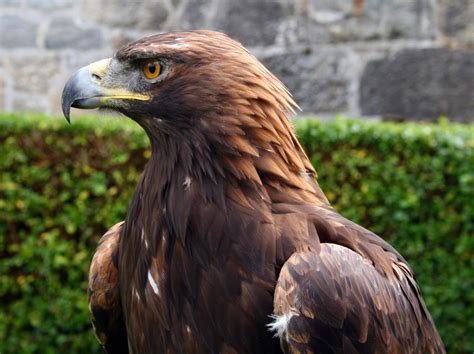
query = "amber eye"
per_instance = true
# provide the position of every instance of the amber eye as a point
(152, 69)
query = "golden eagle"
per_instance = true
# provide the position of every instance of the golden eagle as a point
(230, 246)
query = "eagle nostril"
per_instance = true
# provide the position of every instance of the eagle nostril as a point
(96, 77)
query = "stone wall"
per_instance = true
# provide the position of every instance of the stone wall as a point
(388, 58)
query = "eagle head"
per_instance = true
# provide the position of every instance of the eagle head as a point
(181, 81)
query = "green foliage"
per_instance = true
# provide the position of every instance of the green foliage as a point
(62, 186)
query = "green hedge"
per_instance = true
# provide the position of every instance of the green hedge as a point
(62, 186)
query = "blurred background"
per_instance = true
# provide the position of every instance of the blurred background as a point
(404, 168)
(400, 59)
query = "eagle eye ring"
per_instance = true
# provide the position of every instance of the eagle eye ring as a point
(152, 69)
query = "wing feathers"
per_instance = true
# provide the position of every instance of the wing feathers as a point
(104, 296)
(341, 303)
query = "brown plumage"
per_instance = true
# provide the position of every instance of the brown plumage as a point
(104, 294)
(229, 240)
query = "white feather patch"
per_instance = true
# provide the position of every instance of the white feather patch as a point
(279, 325)
(187, 183)
(143, 239)
(153, 284)
(136, 294)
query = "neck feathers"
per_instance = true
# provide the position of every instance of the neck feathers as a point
(236, 144)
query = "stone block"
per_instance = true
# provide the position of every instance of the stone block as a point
(49, 4)
(115, 13)
(66, 33)
(12, 3)
(23, 102)
(420, 84)
(33, 73)
(196, 15)
(345, 21)
(17, 32)
(153, 15)
(254, 23)
(319, 81)
(456, 19)
(141, 15)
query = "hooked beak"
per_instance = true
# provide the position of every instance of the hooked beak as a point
(84, 89)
